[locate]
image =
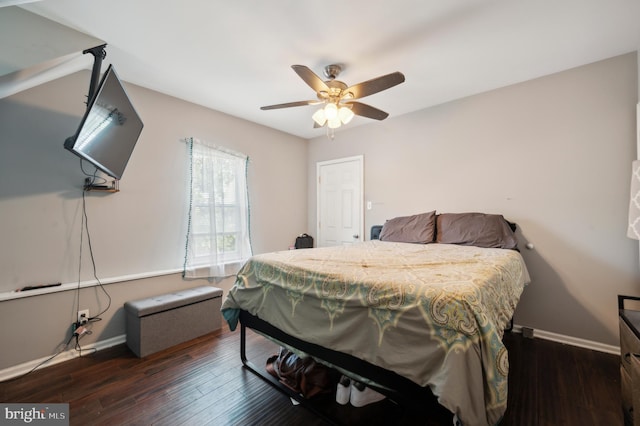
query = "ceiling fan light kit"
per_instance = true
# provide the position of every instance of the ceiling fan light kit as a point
(337, 98)
(333, 116)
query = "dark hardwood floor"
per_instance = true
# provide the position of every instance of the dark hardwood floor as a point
(201, 382)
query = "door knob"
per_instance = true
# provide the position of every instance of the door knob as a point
(356, 236)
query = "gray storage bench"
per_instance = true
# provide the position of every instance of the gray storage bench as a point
(159, 322)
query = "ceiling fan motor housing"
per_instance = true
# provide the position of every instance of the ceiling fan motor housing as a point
(336, 88)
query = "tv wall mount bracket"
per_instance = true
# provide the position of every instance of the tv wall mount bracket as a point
(99, 53)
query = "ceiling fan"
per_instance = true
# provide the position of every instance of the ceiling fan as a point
(339, 100)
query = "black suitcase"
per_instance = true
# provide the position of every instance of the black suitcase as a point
(304, 241)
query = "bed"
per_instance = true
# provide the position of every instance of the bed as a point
(424, 306)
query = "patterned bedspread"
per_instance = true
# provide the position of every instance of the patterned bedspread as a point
(433, 313)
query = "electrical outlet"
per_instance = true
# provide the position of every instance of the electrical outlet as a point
(527, 332)
(83, 317)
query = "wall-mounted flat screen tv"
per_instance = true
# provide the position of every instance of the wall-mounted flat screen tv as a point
(109, 129)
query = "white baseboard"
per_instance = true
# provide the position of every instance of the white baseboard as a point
(18, 370)
(573, 341)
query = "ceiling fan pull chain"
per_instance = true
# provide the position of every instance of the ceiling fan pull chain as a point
(330, 133)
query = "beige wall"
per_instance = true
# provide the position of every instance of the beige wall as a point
(552, 154)
(140, 230)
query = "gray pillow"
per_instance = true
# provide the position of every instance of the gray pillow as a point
(419, 228)
(475, 229)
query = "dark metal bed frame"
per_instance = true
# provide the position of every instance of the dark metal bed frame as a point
(397, 388)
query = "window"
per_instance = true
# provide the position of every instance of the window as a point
(218, 233)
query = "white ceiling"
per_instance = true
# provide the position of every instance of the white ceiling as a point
(235, 56)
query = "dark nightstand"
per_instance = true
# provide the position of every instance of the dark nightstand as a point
(629, 320)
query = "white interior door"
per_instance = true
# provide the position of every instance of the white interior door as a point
(340, 201)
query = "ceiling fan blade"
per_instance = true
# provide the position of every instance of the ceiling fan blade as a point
(368, 111)
(291, 104)
(374, 85)
(310, 78)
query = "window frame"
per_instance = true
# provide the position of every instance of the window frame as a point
(215, 201)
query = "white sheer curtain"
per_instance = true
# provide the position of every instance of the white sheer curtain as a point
(218, 241)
